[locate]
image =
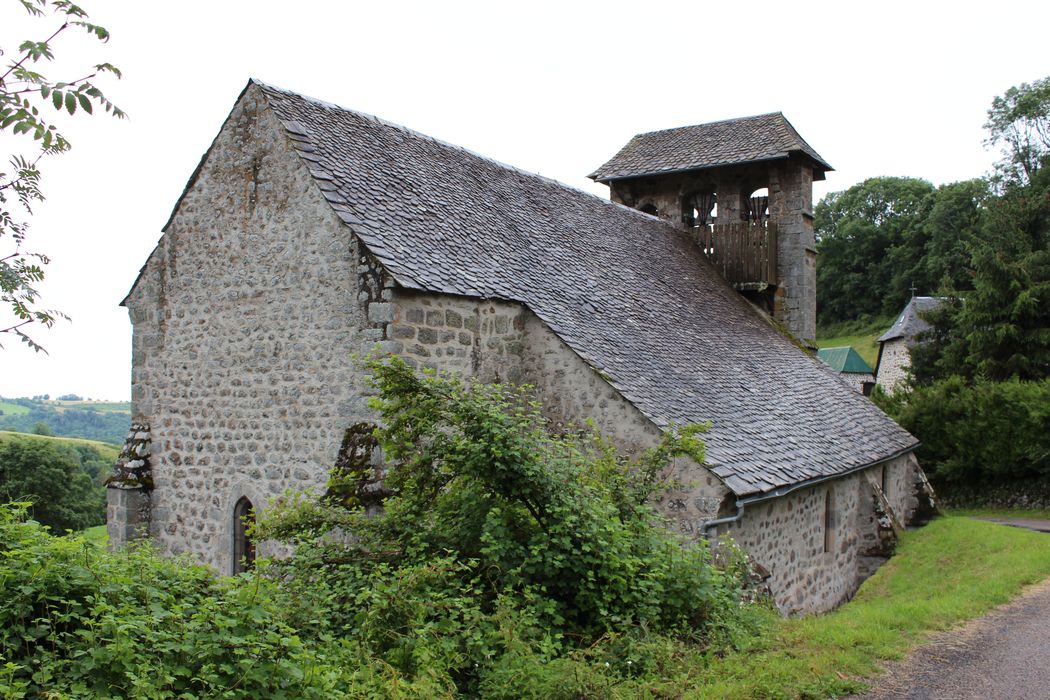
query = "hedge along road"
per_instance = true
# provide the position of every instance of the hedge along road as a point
(1005, 654)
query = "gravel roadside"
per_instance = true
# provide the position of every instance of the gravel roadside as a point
(1003, 655)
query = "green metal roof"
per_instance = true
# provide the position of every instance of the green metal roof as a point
(844, 359)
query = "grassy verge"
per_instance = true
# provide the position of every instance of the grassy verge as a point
(1033, 513)
(952, 570)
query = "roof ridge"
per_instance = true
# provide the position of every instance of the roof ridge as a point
(461, 149)
(714, 123)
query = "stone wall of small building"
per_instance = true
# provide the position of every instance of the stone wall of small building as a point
(856, 380)
(894, 363)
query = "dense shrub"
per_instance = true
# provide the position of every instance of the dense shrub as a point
(987, 432)
(506, 563)
(498, 541)
(76, 621)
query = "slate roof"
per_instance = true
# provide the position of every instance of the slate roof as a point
(633, 296)
(909, 323)
(729, 142)
(844, 359)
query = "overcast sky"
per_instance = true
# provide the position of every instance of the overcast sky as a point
(889, 88)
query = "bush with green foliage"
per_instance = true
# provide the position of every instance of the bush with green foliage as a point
(498, 539)
(987, 432)
(52, 476)
(506, 563)
(77, 621)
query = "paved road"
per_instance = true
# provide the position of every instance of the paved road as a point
(1004, 655)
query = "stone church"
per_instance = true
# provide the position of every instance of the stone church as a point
(310, 232)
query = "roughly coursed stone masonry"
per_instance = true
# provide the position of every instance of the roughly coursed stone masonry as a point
(894, 363)
(818, 560)
(244, 319)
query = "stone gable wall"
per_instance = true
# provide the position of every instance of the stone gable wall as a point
(893, 365)
(244, 319)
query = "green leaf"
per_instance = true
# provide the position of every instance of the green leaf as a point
(71, 103)
(85, 103)
(56, 98)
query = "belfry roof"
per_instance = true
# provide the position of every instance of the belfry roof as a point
(729, 142)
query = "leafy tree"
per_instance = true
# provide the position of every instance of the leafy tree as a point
(25, 95)
(982, 432)
(952, 226)
(42, 428)
(1019, 121)
(50, 476)
(871, 242)
(1002, 330)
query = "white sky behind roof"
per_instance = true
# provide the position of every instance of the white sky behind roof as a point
(890, 88)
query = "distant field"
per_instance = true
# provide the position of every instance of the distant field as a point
(106, 450)
(12, 409)
(100, 406)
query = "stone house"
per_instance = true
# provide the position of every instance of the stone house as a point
(894, 362)
(309, 232)
(849, 366)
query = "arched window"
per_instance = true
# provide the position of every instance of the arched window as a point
(699, 209)
(649, 209)
(758, 205)
(243, 546)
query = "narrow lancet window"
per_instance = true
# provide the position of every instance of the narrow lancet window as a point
(243, 546)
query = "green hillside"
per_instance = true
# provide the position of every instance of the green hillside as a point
(106, 450)
(7, 408)
(105, 421)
